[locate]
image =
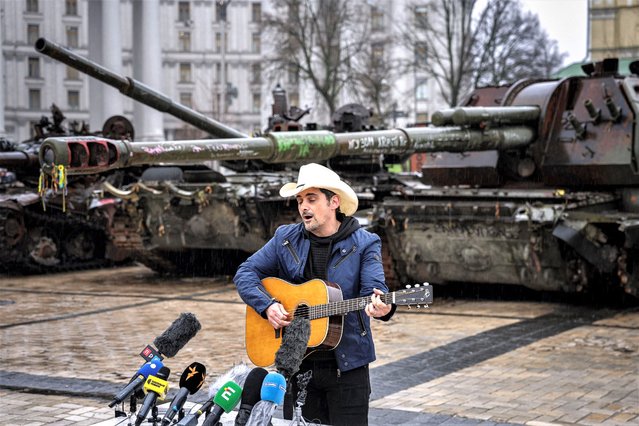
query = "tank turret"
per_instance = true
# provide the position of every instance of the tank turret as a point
(61, 237)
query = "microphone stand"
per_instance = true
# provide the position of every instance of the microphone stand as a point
(302, 382)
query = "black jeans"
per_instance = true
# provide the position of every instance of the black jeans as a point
(333, 398)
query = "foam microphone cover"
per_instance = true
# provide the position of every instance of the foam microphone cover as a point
(273, 388)
(294, 343)
(251, 394)
(238, 373)
(177, 335)
(193, 377)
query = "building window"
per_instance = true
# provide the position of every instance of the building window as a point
(293, 74)
(34, 68)
(33, 33)
(34, 99)
(377, 50)
(421, 91)
(185, 41)
(256, 43)
(421, 16)
(186, 99)
(71, 7)
(377, 18)
(257, 102)
(421, 53)
(221, 10)
(185, 72)
(73, 74)
(421, 117)
(218, 73)
(294, 99)
(32, 5)
(72, 37)
(184, 11)
(256, 12)
(73, 99)
(218, 42)
(256, 73)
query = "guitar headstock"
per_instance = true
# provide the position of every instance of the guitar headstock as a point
(418, 295)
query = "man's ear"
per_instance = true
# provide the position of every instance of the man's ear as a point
(335, 202)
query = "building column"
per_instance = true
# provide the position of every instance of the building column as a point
(147, 67)
(105, 48)
(2, 129)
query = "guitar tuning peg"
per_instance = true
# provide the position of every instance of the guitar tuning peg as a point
(408, 286)
(417, 306)
(416, 285)
(409, 308)
(425, 283)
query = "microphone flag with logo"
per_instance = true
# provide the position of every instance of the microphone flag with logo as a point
(191, 381)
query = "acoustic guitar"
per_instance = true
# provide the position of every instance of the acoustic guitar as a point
(322, 303)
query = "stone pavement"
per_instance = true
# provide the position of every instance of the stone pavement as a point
(68, 342)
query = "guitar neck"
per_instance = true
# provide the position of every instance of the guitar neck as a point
(343, 307)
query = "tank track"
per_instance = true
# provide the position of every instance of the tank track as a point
(51, 230)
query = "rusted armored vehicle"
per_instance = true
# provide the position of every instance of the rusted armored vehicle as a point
(61, 238)
(167, 217)
(560, 213)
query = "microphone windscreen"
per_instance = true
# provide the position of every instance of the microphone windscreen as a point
(193, 377)
(228, 396)
(251, 392)
(152, 367)
(237, 373)
(294, 343)
(273, 388)
(177, 335)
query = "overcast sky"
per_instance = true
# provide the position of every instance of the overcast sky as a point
(565, 21)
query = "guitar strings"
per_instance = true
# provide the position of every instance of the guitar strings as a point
(335, 308)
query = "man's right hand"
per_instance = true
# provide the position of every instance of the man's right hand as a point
(277, 316)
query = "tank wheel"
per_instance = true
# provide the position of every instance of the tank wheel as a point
(12, 228)
(43, 249)
(80, 245)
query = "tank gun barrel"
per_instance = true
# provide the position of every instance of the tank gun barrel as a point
(13, 159)
(484, 116)
(136, 90)
(85, 155)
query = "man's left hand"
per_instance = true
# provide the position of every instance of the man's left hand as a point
(376, 308)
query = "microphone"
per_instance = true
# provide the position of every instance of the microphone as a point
(191, 381)
(224, 401)
(250, 395)
(177, 335)
(148, 368)
(272, 393)
(155, 387)
(237, 374)
(289, 356)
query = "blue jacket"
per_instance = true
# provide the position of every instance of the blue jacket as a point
(355, 265)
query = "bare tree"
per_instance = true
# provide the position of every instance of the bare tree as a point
(374, 72)
(443, 37)
(511, 45)
(462, 47)
(319, 40)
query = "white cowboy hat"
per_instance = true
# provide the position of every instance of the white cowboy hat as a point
(317, 176)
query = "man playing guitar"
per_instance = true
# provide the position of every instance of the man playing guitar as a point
(330, 245)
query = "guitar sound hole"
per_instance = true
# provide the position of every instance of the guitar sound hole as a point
(302, 311)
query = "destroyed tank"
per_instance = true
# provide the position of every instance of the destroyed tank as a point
(167, 218)
(61, 238)
(532, 184)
